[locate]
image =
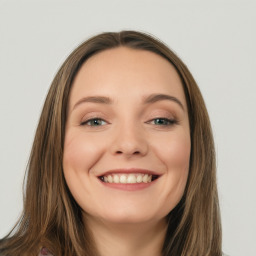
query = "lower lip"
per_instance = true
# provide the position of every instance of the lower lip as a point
(129, 187)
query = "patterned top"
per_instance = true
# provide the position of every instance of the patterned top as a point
(44, 252)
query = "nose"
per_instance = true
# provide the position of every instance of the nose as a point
(129, 141)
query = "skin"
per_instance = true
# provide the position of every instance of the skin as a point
(129, 134)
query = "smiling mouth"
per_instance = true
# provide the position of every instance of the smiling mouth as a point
(131, 178)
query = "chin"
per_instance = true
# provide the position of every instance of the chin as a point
(127, 219)
(129, 216)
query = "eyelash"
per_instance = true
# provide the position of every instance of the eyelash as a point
(92, 120)
(165, 121)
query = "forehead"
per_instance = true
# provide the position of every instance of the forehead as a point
(123, 71)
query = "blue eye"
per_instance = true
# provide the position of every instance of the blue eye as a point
(94, 122)
(163, 121)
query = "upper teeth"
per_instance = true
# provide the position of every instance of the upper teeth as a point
(127, 178)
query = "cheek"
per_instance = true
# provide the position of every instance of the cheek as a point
(178, 154)
(174, 151)
(177, 161)
(175, 156)
(80, 152)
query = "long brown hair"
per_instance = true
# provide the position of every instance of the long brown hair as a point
(52, 218)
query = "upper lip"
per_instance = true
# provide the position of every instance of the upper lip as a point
(130, 170)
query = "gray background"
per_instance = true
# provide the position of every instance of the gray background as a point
(216, 39)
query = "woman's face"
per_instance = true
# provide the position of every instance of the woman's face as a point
(127, 141)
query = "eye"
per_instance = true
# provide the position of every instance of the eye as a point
(162, 121)
(94, 122)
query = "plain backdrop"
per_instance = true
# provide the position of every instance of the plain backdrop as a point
(216, 39)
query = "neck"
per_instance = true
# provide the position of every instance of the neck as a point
(128, 239)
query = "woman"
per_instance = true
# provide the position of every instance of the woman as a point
(123, 160)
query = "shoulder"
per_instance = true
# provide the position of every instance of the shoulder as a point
(44, 252)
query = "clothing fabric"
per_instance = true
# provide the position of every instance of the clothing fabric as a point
(44, 252)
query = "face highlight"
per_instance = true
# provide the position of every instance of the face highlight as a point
(127, 140)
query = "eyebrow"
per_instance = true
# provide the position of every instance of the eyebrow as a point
(159, 97)
(152, 98)
(94, 99)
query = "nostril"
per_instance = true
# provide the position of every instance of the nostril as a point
(134, 153)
